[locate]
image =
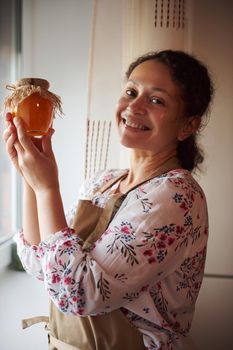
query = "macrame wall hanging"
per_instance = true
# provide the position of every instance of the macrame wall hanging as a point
(170, 13)
(153, 25)
(98, 131)
(97, 146)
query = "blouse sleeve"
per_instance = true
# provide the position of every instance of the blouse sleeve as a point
(30, 255)
(150, 236)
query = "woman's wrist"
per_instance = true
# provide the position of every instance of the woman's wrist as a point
(51, 214)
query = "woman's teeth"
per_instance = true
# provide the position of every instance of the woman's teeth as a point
(135, 125)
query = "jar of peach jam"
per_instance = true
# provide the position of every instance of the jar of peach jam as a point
(32, 101)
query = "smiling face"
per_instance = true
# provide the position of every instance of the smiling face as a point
(149, 113)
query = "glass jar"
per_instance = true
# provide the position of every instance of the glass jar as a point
(32, 101)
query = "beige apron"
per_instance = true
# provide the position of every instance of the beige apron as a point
(102, 332)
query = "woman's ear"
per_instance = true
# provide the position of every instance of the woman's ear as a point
(189, 127)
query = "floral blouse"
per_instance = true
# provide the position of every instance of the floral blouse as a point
(149, 262)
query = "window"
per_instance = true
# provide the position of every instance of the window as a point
(10, 51)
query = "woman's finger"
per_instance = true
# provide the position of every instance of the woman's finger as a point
(8, 131)
(25, 141)
(9, 116)
(8, 119)
(10, 146)
(19, 148)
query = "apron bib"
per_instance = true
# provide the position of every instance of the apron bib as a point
(102, 332)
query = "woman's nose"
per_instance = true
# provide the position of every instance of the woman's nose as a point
(137, 105)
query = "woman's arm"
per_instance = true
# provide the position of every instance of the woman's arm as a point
(50, 212)
(30, 217)
(39, 169)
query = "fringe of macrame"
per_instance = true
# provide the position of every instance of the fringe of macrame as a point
(19, 93)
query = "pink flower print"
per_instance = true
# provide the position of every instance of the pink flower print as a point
(34, 247)
(151, 260)
(163, 237)
(80, 311)
(148, 252)
(107, 177)
(53, 247)
(61, 303)
(74, 298)
(41, 250)
(161, 245)
(183, 206)
(125, 229)
(67, 280)
(170, 240)
(67, 231)
(68, 243)
(179, 229)
(55, 278)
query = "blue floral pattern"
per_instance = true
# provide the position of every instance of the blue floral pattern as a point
(149, 262)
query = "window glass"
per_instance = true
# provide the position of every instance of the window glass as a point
(10, 49)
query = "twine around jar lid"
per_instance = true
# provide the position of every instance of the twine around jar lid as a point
(43, 83)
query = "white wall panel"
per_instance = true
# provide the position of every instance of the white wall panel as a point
(56, 38)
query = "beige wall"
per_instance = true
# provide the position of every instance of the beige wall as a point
(212, 38)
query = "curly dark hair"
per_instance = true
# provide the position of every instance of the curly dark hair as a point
(196, 87)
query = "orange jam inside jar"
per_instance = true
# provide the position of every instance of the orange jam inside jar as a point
(34, 103)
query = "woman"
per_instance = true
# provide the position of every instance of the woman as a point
(123, 269)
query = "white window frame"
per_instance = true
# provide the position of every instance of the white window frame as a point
(16, 187)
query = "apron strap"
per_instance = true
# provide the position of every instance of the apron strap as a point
(28, 322)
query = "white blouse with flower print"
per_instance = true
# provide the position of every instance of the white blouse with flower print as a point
(149, 262)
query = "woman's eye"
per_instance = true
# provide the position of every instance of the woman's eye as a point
(156, 101)
(130, 92)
